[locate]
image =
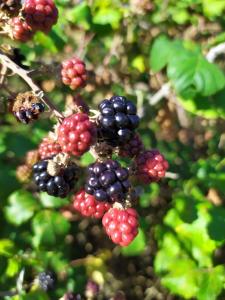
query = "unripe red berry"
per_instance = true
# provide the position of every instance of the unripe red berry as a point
(121, 225)
(21, 30)
(151, 166)
(74, 73)
(88, 206)
(76, 134)
(132, 148)
(40, 14)
(48, 148)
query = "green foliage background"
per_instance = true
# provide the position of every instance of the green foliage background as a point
(129, 51)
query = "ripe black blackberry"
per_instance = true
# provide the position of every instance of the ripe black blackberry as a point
(117, 121)
(46, 281)
(55, 177)
(107, 181)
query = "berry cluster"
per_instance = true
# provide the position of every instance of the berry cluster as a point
(55, 179)
(48, 148)
(117, 121)
(76, 134)
(46, 281)
(151, 166)
(121, 225)
(21, 30)
(107, 181)
(37, 15)
(40, 14)
(88, 206)
(132, 148)
(74, 73)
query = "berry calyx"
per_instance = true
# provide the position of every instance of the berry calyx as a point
(107, 181)
(46, 281)
(48, 148)
(151, 166)
(117, 121)
(88, 206)
(55, 177)
(121, 225)
(21, 31)
(76, 134)
(132, 148)
(40, 14)
(74, 73)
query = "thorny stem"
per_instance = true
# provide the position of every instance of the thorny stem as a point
(24, 74)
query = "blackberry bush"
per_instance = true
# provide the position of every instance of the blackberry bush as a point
(118, 120)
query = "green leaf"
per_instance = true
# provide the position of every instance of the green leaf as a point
(160, 53)
(108, 15)
(21, 208)
(211, 107)
(13, 267)
(35, 295)
(49, 227)
(137, 246)
(81, 15)
(213, 8)
(7, 247)
(211, 283)
(192, 74)
(45, 41)
(51, 201)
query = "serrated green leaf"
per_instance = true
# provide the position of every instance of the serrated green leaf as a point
(21, 207)
(192, 74)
